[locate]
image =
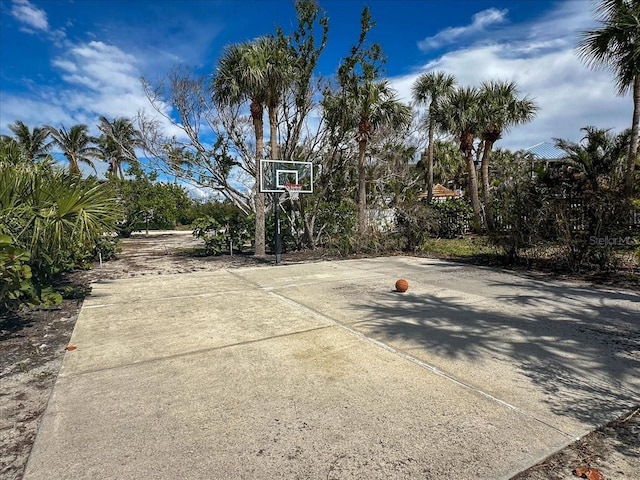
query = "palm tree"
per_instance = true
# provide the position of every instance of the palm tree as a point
(501, 109)
(76, 145)
(257, 72)
(595, 172)
(272, 55)
(598, 160)
(431, 89)
(33, 143)
(460, 115)
(10, 151)
(118, 142)
(616, 45)
(374, 105)
(448, 168)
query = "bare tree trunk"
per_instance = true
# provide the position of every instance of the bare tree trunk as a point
(273, 146)
(473, 194)
(633, 144)
(307, 223)
(273, 132)
(466, 146)
(74, 168)
(486, 196)
(260, 249)
(430, 161)
(362, 189)
(256, 115)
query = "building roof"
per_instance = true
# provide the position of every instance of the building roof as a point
(440, 191)
(546, 151)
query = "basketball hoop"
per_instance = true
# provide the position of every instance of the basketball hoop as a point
(293, 189)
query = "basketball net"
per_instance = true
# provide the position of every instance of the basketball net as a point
(293, 189)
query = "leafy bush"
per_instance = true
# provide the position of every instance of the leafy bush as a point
(212, 233)
(53, 220)
(16, 280)
(521, 218)
(338, 225)
(572, 208)
(149, 204)
(416, 222)
(454, 217)
(229, 230)
(16, 286)
(107, 248)
(419, 221)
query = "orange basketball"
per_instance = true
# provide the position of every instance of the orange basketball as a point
(402, 285)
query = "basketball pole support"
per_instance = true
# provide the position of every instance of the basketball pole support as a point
(277, 233)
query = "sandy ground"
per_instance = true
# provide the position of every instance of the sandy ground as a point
(32, 347)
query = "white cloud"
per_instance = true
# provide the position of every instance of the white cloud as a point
(103, 77)
(541, 59)
(29, 15)
(65, 65)
(569, 95)
(562, 24)
(199, 193)
(100, 67)
(32, 111)
(104, 80)
(99, 79)
(479, 22)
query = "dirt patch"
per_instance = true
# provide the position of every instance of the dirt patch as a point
(612, 450)
(32, 347)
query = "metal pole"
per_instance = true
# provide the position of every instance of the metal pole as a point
(278, 233)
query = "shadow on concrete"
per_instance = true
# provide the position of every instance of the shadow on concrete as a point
(577, 345)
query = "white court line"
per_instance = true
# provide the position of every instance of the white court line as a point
(416, 361)
(156, 299)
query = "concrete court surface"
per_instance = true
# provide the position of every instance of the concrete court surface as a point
(322, 371)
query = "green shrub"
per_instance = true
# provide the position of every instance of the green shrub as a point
(554, 213)
(416, 222)
(107, 248)
(419, 221)
(454, 217)
(229, 231)
(149, 204)
(16, 280)
(212, 233)
(16, 286)
(54, 220)
(338, 226)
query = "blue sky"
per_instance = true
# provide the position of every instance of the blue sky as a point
(64, 62)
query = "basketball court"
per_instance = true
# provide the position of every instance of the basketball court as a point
(323, 370)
